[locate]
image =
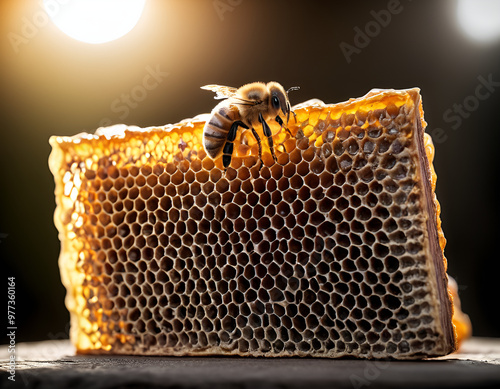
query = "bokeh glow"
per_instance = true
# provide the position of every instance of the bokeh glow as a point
(480, 19)
(95, 21)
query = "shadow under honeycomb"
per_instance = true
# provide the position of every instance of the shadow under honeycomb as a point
(319, 254)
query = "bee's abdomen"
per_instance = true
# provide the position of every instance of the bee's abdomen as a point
(216, 130)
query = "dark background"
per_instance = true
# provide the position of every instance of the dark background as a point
(54, 85)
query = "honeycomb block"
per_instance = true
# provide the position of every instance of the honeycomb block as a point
(335, 250)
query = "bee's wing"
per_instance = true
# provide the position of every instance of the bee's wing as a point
(222, 92)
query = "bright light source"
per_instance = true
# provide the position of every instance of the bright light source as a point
(95, 21)
(480, 19)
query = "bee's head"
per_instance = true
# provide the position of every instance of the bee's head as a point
(278, 100)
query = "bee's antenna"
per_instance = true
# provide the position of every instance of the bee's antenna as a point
(292, 89)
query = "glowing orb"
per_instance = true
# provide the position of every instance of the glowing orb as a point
(480, 19)
(95, 21)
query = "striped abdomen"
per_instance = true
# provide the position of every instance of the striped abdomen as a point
(217, 127)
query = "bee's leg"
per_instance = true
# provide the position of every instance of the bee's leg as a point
(280, 122)
(227, 151)
(268, 134)
(257, 138)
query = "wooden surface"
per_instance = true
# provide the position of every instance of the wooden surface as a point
(53, 364)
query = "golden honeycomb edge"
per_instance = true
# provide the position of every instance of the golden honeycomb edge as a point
(75, 159)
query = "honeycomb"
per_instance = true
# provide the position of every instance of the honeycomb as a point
(334, 250)
(461, 321)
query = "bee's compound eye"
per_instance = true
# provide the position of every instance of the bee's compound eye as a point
(276, 102)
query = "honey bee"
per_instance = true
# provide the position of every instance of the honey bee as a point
(246, 107)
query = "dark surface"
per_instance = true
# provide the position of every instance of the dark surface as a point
(54, 85)
(53, 365)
